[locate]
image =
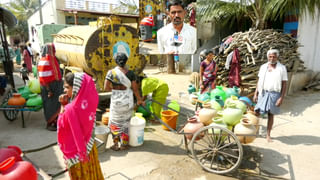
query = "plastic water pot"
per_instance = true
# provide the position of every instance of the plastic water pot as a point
(136, 131)
(234, 91)
(9, 151)
(10, 169)
(143, 110)
(191, 89)
(218, 91)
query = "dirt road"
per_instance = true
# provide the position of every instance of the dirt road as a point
(291, 155)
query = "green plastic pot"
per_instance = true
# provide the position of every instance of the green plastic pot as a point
(233, 101)
(232, 91)
(232, 116)
(218, 91)
(144, 112)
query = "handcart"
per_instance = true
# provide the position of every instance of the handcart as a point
(11, 112)
(216, 149)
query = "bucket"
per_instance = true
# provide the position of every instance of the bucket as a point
(102, 133)
(169, 117)
(136, 131)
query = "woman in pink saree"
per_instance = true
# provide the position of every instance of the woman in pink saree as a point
(27, 58)
(76, 127)
(208, 72)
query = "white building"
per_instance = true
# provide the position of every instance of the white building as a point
(309, 38)
(79, 12)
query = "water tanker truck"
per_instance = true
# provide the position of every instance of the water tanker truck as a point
(91, 47)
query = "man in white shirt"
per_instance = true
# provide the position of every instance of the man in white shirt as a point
(271, 88)
(177, 37)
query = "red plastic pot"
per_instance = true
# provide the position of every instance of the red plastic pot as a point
(10, 169)
(14, 151)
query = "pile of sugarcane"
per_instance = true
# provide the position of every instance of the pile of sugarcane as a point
(253, 46)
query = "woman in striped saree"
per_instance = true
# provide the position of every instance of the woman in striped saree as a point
(76, 127)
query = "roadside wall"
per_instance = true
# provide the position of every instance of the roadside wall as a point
(309, 37)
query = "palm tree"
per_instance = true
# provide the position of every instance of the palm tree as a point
(258, 11)
(22, 9)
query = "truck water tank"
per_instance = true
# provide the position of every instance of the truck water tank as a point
(92, 48)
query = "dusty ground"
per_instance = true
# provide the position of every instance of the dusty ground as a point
(291, 155)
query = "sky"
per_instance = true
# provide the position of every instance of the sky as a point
(4, 1)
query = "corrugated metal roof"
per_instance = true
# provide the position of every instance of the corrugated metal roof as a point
(9, 19)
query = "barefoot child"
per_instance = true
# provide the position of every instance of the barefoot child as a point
(24, 73)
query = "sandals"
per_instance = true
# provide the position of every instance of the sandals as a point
(115, 147)
(124, 147)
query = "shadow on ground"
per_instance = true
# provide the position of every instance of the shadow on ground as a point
(252, 165)
(299, 139)
(293, 105)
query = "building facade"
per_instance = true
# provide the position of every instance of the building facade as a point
(74, 12)
(309, 38)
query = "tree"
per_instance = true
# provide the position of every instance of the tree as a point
(128, 7)
(258, 11)
(22, 9)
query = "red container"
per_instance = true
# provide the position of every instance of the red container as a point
(14, 151)
(17, 170)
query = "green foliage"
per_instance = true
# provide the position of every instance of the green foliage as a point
(226, 14)
(129, 5)
(258, 11)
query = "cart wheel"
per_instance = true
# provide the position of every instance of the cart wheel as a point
(9, 114)
(216, 149)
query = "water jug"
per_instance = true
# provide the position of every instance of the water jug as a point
(136, 131)
(16, 100)
(192, 127)
(218, 91)
(233, 100)
(232, 115)
(234, 91)
(191, 89)
(218, 99)
(143, 109)
(14, 151)
(17, 170)
(206, 115)
(246, 100)
(245, 128)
